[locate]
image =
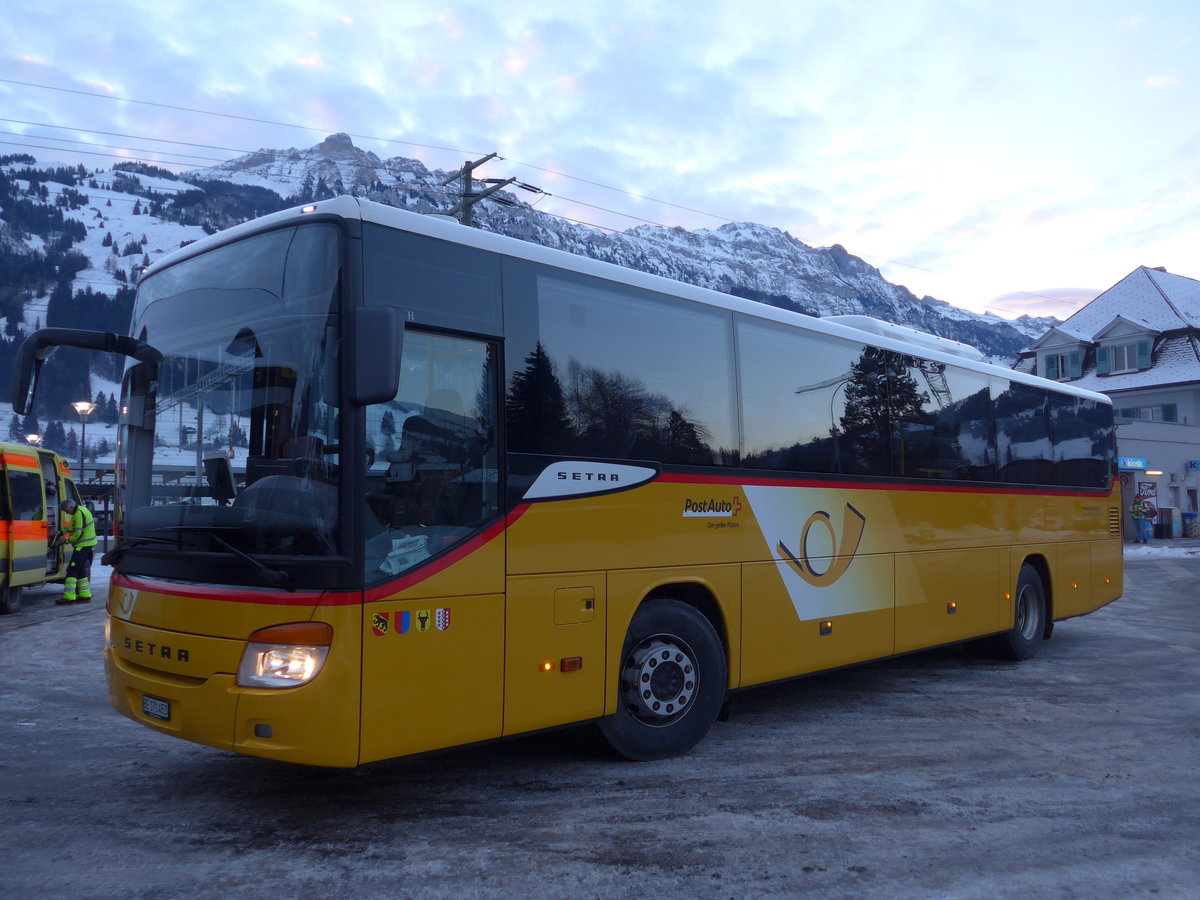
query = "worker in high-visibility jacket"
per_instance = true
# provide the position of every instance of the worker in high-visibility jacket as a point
(79, 532)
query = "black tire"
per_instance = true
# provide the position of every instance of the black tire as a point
(1029, 619)
(671, 685)
(10, 599)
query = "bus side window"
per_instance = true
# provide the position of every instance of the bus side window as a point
(434, 472)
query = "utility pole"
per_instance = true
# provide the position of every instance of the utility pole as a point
(470, 196)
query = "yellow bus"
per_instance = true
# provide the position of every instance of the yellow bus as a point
(35, 482)
(388, 484)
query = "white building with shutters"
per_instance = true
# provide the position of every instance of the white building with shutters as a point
(1139, 342)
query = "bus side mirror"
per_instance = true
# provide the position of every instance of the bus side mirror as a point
(377, 336)
(27, 367)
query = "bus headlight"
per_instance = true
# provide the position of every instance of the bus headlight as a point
(284, 656)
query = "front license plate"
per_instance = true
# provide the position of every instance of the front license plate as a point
(156, 709)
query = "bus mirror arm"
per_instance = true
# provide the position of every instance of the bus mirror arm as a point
(38, 347)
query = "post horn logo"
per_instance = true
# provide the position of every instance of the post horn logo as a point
(853, 525)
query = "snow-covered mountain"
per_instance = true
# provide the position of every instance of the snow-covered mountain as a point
(746, 259)
(72, 241)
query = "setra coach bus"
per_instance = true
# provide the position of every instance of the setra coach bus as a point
(447, 486)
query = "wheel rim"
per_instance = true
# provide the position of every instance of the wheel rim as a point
(659, 680)
(1028, 613)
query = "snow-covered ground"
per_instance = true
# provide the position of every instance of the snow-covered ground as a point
(1165, 548)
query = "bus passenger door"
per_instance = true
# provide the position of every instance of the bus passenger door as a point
(433, 621)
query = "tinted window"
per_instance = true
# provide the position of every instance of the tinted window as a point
(440, 283)
(944, 421)
(812, 403)
(1024, 451)
(1081, 430)
(626, 374)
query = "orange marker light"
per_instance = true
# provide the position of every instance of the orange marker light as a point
(570, 664)
(547, 666)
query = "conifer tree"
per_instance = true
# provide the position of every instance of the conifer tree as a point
(537, 408)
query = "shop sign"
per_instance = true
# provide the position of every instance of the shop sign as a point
(1132, 462)
(1193, 465)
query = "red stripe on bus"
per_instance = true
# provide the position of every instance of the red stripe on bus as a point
(936, 488)
(266, 596)
(444, 562)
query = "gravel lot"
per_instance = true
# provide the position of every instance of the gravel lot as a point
(936, 775)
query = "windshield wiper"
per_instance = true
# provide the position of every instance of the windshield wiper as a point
(273, 577)
(111, 557)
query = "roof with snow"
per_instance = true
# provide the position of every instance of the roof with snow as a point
(1154, 302)
(1153, 298)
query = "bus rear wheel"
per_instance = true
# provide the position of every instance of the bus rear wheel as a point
(10, 599)
(1029, 619)
(672, 682)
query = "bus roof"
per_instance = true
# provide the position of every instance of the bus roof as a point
(859, 328)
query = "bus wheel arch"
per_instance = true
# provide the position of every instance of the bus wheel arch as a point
(699, 597)
(672, 678)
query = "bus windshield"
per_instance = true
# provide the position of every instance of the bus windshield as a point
(230, 446)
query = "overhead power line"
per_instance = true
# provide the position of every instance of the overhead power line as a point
(112, 147)
(135, 137)
(209, 112)
(310, 128)
(366, 137)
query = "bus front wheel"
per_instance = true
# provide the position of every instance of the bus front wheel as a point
(672, 682)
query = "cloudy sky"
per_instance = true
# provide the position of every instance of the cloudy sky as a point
(1015, 156)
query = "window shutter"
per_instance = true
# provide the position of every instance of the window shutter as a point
(1143, 355)
(1051, 366)
(1170, 413)
(1076, 365)
(1103, 361)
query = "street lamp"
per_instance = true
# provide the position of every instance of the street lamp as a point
(34, 439)
(85, 408)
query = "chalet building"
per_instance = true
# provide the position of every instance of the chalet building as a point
(1139, 343)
